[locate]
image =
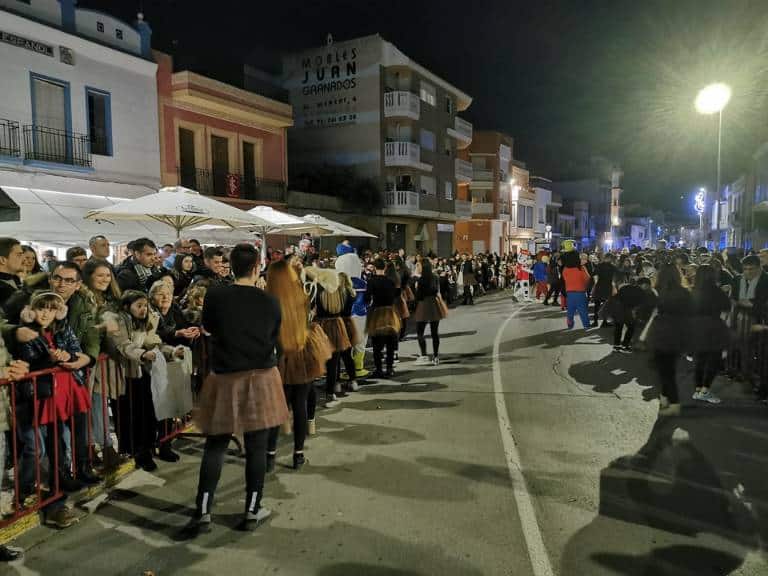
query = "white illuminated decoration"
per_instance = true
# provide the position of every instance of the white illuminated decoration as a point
(699, 206)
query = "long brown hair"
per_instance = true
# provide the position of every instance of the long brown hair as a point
(283, 284)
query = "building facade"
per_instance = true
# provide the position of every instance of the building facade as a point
(221, 140)
(489, 192)
(365, 105)
(78, 118)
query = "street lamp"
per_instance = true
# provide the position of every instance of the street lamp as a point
(650, 237)
(700, 206)
(710, 100)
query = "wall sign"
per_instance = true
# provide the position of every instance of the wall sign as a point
(22, 42)
(328, 85)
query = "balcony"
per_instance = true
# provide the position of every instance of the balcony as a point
(401, 104)
(405, 154)
(463, 209)
(45, 144)
(10, 143)
(461, 131)
(401, 202)
(482, 208)
(463, 170)
(232, 185)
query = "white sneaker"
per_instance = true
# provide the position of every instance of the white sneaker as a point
(708, 397)
(670, 410)
(353, 386)
(436, 360)
(696, 395)
(332, 401)
(423, 361)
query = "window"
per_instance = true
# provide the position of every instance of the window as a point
(541, 216)
(100, 26)
(521, 216)
(449, 190)
(51, 120)
(427, 139)
(119, 33)
(427, 93)
(447, 146)
(529, 216)
(513, 214)
(187, 172)
(448, 105)
(99, 122)
(428, 185)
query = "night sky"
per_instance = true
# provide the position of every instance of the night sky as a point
(567, 79)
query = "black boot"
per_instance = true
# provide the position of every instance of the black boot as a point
(86, 475)
(166, 454)
(298, 460)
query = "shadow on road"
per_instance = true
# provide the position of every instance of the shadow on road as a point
(693, 500)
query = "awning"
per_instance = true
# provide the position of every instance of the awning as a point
(422, 233)
(9, 210)
(57, 218)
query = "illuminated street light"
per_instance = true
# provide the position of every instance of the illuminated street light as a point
(710, 100)
(713, 98)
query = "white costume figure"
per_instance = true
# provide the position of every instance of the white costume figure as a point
(351, 265)
(523, 276)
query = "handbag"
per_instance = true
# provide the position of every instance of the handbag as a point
(442, 305)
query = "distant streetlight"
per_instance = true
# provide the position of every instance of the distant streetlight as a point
(710, 100)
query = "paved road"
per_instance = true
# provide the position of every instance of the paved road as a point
(413, 477)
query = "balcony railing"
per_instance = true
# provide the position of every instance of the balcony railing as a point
(482, 175)
(402, 104)
(405, 199)
(55, 145)
(232, 185)
(464, 171)
(462, 131)
(402, 154)
(10, 143)
(463, 209)
(482, 207)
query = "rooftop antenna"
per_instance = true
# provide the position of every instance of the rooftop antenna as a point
(329, 39)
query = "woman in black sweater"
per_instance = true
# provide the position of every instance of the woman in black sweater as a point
(428, 311)
(709, 333)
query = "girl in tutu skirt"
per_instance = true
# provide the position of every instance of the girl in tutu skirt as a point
(430, 309)
(383, 322)
(244, 392)
(305, 350)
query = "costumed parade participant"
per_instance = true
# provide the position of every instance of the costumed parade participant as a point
(383, 321)
(351, 265)
(523, 275)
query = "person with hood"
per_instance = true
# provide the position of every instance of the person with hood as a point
(333, 298)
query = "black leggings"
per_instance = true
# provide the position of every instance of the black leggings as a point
(433, 331)
(311, 402)
(707, 366)
(666, 368)
(554, 292)
(618, 330)
(379, 344)
(332, 369)
(138, 425)
(296, 396)
(213, 460)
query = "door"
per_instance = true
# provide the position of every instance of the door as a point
(249, 170)
(396, 236)
(187, 170)
(444, 244)
(220, 164)
(49, 113)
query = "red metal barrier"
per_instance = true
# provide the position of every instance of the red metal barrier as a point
(112, 419)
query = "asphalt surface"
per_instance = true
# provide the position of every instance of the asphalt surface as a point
(413, 476)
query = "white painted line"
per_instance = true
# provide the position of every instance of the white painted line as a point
(534, 542)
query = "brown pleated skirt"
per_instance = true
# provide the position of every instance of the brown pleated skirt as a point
(428, 310)
(337, 333)
(241, 402)
(305, 365)
(383, 321)
(408, 293)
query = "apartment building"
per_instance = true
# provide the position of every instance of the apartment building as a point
(221, 140)
(366, 105)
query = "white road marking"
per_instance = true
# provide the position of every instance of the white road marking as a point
(537, 553)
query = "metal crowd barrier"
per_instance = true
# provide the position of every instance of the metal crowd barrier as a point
(740, 359)
(112, 422)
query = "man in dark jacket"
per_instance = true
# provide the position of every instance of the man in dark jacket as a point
(750, 289)
(213, 258)
(10, 266)
(468, 277)
(139, 267)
